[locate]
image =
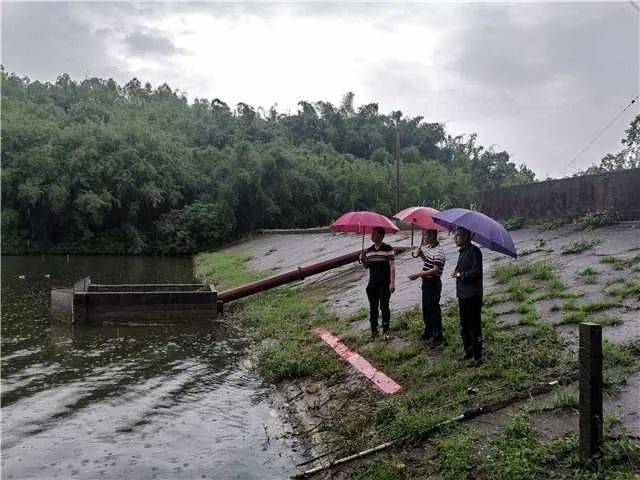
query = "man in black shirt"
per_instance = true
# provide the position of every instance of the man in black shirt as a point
(468, 275)
(379, 259)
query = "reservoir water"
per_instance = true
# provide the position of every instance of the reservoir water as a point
(106, 402)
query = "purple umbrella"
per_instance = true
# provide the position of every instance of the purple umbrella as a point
(484, 230)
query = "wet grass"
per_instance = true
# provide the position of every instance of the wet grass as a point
(226, 271)
(625, 289)
(519, 291)
(514, 223)
(589, 275)
(278, 320)
(438, 388)
(595, 220)
(521, 279)
(564, 400)
(576, 313)
(553, 224)
(580, 316)
(579, 246)
(536, 270)
(616, 262)
(598, 306)
(506, 273)
(615, 280)
(620, 361)
(518, 452)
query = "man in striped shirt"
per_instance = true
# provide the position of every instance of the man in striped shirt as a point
(379, 259)
(433, 257)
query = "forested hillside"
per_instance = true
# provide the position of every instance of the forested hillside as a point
(93, 166)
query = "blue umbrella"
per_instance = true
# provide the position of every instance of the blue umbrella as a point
(485, 231)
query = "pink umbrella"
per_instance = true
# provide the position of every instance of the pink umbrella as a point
(363, 222)
(421, 216)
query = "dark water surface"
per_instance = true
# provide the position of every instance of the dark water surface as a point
(158, 402)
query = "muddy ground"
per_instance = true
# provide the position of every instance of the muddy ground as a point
(283, 252)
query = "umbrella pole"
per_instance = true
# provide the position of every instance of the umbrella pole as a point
(412, 235)
(362, 253)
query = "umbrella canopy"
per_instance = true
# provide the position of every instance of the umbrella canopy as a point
(363, 222)
(420, 216)
(485, 230)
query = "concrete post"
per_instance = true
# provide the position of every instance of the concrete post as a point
(590, 357)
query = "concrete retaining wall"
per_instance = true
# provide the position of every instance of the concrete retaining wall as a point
(616, 192)
(134, 304)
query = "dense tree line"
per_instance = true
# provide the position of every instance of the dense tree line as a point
(92, 166)
(627, 157)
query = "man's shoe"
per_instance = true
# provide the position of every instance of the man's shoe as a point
(425, 337)
(478, 361)
(386, 335)
(375, 334)
(437, 341)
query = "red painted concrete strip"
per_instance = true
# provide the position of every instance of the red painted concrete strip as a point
(379, 379)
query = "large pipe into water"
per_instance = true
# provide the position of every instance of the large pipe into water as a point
(292, 276)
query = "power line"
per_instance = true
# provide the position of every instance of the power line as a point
(601, 132)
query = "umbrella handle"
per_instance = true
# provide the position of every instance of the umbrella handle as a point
(362, 251)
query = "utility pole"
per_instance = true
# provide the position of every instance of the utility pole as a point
(396, 116)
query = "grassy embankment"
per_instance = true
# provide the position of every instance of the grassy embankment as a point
(438, 386)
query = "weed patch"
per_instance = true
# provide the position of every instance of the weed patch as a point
(514, 223)
(626, 289)
(579, 246)
(620, 361)
(596, 220)
(589, 275)
(616, 262)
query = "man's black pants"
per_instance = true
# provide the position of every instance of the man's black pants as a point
(378, 295)
(471, 326)
(431, 313)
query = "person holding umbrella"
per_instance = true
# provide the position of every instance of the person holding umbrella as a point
(468, 275)
(433, 257)
(379, 259)
(485, 231)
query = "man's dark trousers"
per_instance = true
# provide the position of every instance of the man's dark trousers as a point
(431, 313)
(378, 295)
(470, 325)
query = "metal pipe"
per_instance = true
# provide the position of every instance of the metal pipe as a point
(291, 276)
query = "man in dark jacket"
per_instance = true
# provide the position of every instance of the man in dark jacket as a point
(468, 275)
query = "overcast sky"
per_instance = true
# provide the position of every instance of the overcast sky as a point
(537, 79)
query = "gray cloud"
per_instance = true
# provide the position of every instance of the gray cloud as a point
(150, 43)
(594, 45)
(537, 79)
(43, 40)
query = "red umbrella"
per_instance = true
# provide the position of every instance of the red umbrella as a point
(421, 216)
(363, 222)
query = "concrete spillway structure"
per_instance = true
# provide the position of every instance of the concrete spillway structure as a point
(133, 304)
